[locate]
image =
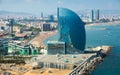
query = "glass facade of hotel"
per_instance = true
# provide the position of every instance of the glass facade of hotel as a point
(71, 29)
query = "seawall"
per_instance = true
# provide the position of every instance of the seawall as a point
(89, 65)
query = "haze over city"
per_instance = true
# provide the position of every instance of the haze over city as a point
(49, 6)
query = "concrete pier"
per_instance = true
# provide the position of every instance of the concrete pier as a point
(106, 49)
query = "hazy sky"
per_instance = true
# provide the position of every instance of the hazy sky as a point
(49, 6)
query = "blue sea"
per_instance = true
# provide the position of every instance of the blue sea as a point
(104, 35)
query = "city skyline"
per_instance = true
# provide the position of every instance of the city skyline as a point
(55, 37)
(38, 6)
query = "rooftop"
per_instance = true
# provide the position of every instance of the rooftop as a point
(65, 59)
(55, 42)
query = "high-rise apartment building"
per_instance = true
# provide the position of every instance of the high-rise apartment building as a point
(92, 15)
(41, 14)
(97, 14)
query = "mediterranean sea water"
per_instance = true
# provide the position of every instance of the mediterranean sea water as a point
(104, 35)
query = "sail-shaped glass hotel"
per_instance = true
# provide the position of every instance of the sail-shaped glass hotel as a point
(71, 29)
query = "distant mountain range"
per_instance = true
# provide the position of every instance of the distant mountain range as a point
(7, 13)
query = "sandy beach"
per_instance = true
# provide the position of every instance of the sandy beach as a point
(38, 42)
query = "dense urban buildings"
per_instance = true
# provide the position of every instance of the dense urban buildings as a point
(26, 45)
(38, 40)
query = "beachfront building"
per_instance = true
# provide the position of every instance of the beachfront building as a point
(61, 61)
(3, 46)
(46, 27)
(71, 30)
(55, 47)
(16, 48)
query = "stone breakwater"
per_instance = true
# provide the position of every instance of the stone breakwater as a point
(89, 65)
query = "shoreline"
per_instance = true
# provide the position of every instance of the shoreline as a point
(38, 42)
(102, 24)
(91, 63)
